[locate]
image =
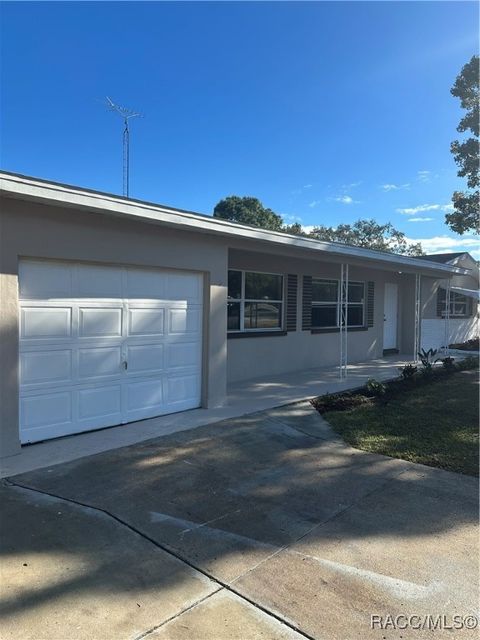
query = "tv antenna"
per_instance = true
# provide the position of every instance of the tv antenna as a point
(126, 114)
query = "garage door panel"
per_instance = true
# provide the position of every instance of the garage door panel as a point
(183, 321)
(145, 284)
(96, 322)
(98, 362)
(44, 280)
(95, 281)
(182, 354)
(145, 358)
(146, 321)
(105, 346)
(145, 395)
(45, 322)
(51, 409)
(183, 389)
(46, 367)
(99, 402)
(183, 286)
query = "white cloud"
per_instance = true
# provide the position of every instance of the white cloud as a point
(394, 187)
(352, 185)
(344, 199)
(307, 186)
(314, 203)
(448, 244)
(424, 176)
(309, 227)
(411, 211)
(420, 219)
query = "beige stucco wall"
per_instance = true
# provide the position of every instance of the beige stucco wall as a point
(40, 231)
(430, 286)
(260, 356)
(29, 229)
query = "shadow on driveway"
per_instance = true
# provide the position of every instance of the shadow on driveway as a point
(275, 506)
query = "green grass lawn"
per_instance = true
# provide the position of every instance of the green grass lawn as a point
(434, 424)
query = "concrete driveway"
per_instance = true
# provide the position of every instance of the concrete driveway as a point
(266, 526)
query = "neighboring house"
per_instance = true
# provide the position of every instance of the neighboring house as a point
(113, 310)
(462, 322)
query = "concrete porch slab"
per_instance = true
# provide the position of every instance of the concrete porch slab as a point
(243, 398)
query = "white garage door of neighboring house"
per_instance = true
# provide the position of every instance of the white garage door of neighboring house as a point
(101, 346)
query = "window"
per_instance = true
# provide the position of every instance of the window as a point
(255, 301)
(326, 304)
(459, 306)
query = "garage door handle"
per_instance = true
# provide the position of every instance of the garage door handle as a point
(125, 365)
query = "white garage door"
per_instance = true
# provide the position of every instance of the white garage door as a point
(101, 346)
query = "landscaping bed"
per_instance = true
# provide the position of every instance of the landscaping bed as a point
(428, 415)
(469, 345)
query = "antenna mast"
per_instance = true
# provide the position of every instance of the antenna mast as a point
(125, 114)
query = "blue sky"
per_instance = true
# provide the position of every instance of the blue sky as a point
(326, 111)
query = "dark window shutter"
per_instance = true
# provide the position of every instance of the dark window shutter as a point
(441, 294)
(470, 307)
(292, 283)
(370, 303)
(307, 303)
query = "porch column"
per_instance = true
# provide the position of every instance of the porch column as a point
(418, 318)
(343, 321)
(447, 319)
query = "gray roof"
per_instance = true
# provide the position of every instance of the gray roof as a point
(445, 258)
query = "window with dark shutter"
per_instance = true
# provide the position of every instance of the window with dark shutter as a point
(441, 293)
(307, 303)
(370, 303)
(292, 285)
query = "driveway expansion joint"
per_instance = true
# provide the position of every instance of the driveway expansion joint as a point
(221, 585)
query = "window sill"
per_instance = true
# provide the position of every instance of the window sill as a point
(255, 334)
(337, 330)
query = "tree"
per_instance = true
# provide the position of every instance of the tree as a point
(370, 235)
(362, 233)
(465, 216)
(249, 211)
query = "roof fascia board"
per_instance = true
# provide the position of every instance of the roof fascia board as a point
(63, 195)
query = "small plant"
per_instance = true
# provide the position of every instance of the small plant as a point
(427, 358)
(449, 364)
(375, 388)
(408, 371)
(470, 362)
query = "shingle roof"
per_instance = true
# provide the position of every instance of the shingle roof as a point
(445, 258)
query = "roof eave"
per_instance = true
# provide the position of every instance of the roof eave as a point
(26, 188)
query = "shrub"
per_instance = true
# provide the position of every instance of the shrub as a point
(408, 371)
(469, 345)
(427, 358)
(375, 388)
(448, 364)
(339, 401)
(470, 362)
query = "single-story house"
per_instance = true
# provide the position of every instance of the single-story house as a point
(458, 322)
(114, 309)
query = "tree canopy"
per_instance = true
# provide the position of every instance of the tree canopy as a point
(465, 216)
(362, 233)
(370, 235)
(248, 210)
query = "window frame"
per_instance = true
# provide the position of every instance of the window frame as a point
(242, 300)
(338, 304)
(452, 312)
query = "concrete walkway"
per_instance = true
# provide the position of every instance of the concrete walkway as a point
(243, 398)
(265, 526)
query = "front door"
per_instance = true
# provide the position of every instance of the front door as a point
(390, 316)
